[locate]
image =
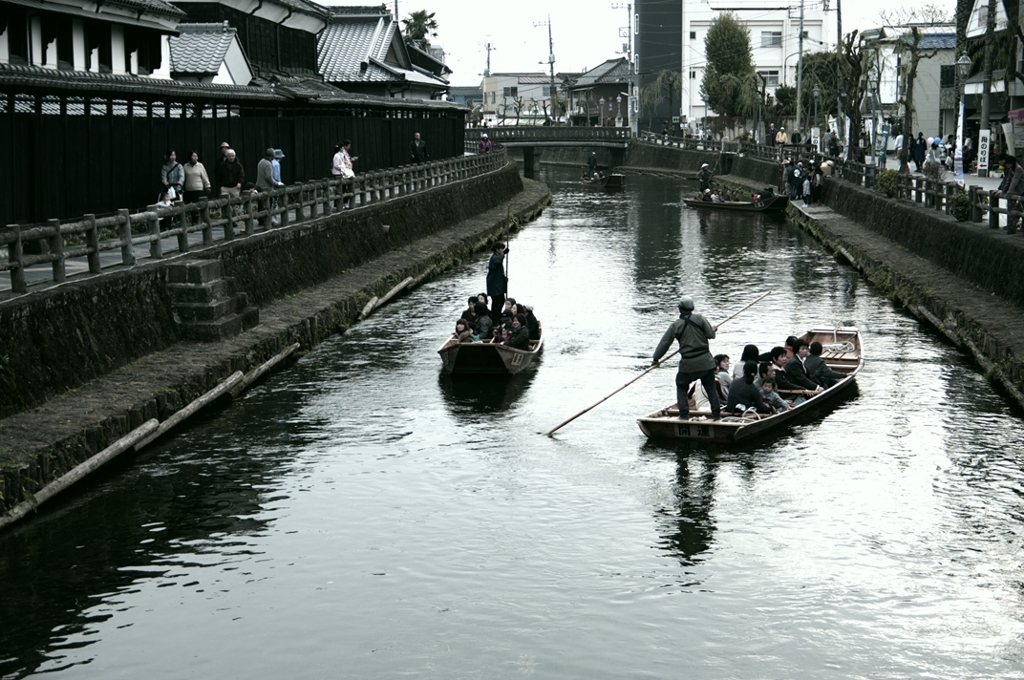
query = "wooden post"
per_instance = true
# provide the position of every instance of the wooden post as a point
(92, 242)
(56, 243)
(204, 210)
(127, 247)
(228, 210)
(16, 256)
(974, 192)
(250, 214)
(993, 211)
(284, 208)
(156, 248)
(950, 190)
(314, 208)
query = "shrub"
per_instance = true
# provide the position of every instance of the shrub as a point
(885, 183)
(960, 206)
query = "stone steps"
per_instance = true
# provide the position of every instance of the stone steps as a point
(206, 306)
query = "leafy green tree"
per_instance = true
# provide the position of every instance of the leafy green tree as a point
(821, 69)
(729, 87)
(418, 26)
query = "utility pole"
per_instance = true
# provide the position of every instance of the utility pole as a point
(490, 48)
(630, 108)
(841, 118)
(551, 64)
(800, 71)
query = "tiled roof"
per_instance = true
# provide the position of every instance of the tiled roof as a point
(200, 48)
(611, 71)
(938, 42)
(534, 79)
(305, 7)
(151, 6)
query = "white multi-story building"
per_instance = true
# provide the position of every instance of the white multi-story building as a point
(523, 96)
(774, 40)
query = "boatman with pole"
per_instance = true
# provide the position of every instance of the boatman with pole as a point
(693, 332)
(497, 280)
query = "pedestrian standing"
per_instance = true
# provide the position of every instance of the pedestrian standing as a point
(692, 331)
(172, 176)
(497, 281)
(197, 182)
(920, 150)
(230, 176)
(418, 150)
(485, 144)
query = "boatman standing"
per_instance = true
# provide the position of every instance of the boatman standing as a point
(693, 332)
(705, 177)
(497, 282)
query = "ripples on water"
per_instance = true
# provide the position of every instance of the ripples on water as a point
(361, 514)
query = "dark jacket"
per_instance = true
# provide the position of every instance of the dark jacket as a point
(744, 395)
(693, 332)
(533, 325)
(820, 373)
(783, 382)
(497, 283)
(797, 375)
(483, 327)
(418, 152)
(520, 338)
(230, 174)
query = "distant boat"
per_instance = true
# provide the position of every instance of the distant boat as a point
(842, 353)
(611, 182)
(487, 358)
(773, 204)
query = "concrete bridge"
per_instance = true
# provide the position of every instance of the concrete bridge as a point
(530, 137)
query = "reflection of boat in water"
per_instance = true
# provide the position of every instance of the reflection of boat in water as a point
(773, 204)
(611, 182)
(842, 353)
(475, 399)
(487, 358)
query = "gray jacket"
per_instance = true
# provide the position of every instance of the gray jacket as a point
(692, 332)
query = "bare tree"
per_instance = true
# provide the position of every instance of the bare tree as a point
(904, 16)
(910, 44)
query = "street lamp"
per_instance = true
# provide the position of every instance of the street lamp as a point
(601, 108)
(816, 91)
(618, 110)
(963, 71)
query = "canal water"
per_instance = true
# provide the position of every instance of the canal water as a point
(362, 515)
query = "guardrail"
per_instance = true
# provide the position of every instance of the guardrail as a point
(218, 220)
(550, 133)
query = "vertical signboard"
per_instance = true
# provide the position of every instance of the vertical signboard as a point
(983, 151)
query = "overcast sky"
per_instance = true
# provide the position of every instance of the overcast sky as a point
(585, 33)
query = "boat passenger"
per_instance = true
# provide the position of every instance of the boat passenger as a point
(532, 323)
(469, 313)
(782, 380)
(743, 395)
(463, 333)
(520, 333)
(750, 353)
(483, 329)
(503, 329)
(722, 372)
(818, 370)
(706, 198)
(796, 372)
(771, 397)
(701, 402)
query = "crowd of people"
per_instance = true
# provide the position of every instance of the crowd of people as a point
(796, 368)
(515, 324)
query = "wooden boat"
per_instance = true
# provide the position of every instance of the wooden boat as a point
(772, 204)
(610, 182)
(842, 353)
(487, 358)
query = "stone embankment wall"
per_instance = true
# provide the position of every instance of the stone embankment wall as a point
(55, 340)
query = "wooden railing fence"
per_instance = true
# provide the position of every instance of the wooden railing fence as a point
(220, 219)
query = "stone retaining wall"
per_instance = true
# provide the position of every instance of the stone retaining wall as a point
(57, 339)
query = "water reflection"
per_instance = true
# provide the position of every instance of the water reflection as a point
(472, 400)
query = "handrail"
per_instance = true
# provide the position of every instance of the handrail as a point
(233, 218)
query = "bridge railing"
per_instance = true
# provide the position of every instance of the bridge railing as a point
(554, 133)
(91, 243)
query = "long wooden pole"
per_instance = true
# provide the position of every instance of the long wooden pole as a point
(648, 370)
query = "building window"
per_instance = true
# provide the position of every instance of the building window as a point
(771, 78)
(947, 76)
(693, 75)
(771, 38)
(693, 35)
(17, 34)
(511, 92)
(545, 91)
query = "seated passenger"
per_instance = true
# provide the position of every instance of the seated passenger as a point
(743, 395)
(532, 323)
(817, 370)
(483, 328)
(520, 333)
(796, 372)
(722, 374)
(503, 330)
(778, 365)
(462, 333)
(750, 353)
(706, 198)
(774, 401)
(701, 401)
(469, 313)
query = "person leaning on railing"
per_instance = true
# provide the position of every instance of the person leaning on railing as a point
(1012, 185)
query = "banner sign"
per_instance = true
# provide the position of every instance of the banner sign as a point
(983, 151)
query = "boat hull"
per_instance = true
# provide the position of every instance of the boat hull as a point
(774, 204)
(665, 423)
(486, 358)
